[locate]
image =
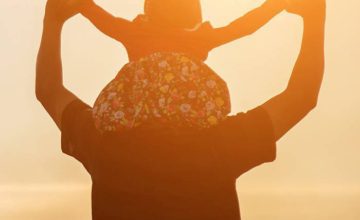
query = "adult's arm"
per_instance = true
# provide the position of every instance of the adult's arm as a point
(301, 94)
(50, 90)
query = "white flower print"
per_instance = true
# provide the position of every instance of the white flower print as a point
(203, 94)
(111, 95)
(138, 109)
(210, 105)
(165, 88)
(185, 108)
(163, 64)
(139, 75)
(185, 70)
(211, 84)
(145, 82)
(119, 115)
(184, 79)
(194, 67)
(139, 72)
(156, 113)
(192, 94)
(103, 107)
(162, 102)
(95, 109)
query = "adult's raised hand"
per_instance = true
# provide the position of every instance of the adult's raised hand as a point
(59, 11)
(307, 8)
(50, 90)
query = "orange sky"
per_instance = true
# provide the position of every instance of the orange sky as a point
(321, 152)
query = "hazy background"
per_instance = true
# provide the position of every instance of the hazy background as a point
(316, 175)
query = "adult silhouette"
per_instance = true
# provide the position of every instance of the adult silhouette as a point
(156, 173)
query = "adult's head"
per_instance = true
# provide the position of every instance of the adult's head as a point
(174, 13)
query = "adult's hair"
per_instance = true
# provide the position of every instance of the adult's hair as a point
(174, 13)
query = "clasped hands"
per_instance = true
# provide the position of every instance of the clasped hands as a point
(59, 11)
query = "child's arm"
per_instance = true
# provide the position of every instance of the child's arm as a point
(247, 24)
(113, 27)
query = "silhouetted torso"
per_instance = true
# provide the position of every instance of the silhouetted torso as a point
(157, 172)
(161, 174)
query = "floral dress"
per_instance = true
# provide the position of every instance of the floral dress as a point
(168, 88)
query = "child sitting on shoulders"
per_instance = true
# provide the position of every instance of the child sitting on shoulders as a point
(166, 79)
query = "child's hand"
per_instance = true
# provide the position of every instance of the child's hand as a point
(307, 8)
(59, 11)
(279, 4)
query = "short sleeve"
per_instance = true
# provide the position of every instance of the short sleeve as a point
(245, 141)
(79, 136)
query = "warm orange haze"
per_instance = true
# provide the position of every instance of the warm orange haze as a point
(315, 175)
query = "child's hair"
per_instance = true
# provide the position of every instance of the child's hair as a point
(184, 14)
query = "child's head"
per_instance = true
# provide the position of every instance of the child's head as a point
(174, 13)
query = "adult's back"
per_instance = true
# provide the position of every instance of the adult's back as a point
(161, 172)
(148, 162)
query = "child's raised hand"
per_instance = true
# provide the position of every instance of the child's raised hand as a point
(61, 10)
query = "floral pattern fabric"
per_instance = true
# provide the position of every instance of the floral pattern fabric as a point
(169, 88)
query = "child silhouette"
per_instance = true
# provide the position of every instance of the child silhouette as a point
(166, 80)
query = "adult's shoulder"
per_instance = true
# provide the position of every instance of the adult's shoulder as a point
(245, 140)
(79, 136)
